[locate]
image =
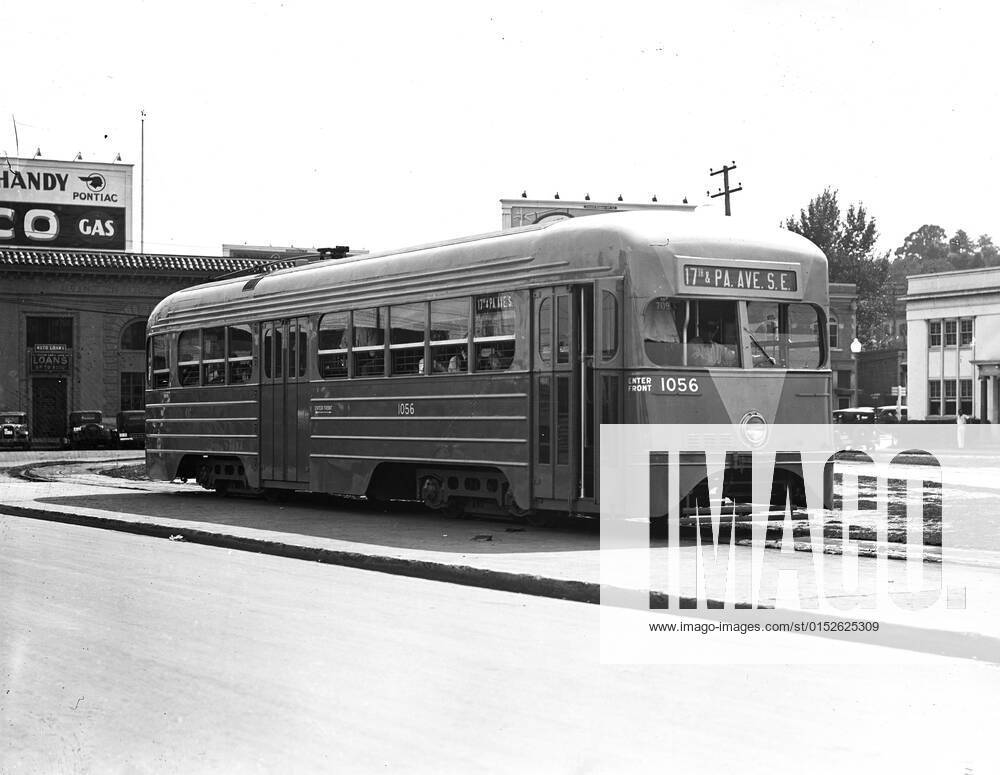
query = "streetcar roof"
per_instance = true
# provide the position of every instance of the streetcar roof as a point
(572, 250)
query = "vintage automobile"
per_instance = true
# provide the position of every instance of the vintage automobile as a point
(86, 430)
(858, 415)
(131, 430)
(891, 413)
(14, 430)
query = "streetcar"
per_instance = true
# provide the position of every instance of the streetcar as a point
(473, 374)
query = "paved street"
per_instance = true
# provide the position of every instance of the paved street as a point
(125, 653)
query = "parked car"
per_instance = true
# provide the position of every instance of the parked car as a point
(14, 430)
(859, 414)
(86, 430)
(866, 438)
(131, 431)
(891, 413)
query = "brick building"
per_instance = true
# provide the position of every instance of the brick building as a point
(75, 327)
(843, 327)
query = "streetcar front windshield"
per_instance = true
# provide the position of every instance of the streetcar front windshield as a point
(692, 333)
(784, 336)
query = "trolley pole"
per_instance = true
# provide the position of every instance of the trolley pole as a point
(725, 190)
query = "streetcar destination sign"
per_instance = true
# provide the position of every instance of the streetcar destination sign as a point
(740, 278)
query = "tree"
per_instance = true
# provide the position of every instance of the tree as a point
(849, 245)
(987, 251)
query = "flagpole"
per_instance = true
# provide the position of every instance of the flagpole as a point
(142, 181)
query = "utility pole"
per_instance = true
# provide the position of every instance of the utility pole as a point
(725, 190)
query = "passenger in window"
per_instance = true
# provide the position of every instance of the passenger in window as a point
(456, 364)
(706, 350)
(215, 374)
(489, 359)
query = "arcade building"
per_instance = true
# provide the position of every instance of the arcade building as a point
(74, 325)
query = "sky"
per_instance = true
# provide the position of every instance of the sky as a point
(386, 124)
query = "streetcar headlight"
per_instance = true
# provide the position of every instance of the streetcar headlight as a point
(754, 428)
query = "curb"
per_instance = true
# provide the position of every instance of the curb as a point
(464, 575)
(971, 646)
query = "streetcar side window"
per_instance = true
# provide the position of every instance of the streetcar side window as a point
(407, 324)
(159, 367)
(449, 337)
(369, 343)
(189, 357)
(334, 338)
(494, 332)
(213, 364)
(545, 330)
(268, 355)
(609, 325)
(240, 353)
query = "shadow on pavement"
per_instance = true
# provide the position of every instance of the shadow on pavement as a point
(401, 525)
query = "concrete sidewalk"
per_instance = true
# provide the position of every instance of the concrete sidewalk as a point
(563, 563)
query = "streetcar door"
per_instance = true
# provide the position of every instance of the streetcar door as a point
(607, 364)
(284, 387)
(556, 395)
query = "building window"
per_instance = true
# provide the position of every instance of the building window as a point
(934, 398)
(50, 331)
(134, 336)
(965, 397)
(834, 333)
(965, 332)
(132, 390)
(950, 333)
(934, 333)
(950, 404)
(844, 379)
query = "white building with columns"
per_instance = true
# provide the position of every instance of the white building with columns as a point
(953, 344)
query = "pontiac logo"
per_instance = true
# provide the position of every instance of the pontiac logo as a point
(95, 181)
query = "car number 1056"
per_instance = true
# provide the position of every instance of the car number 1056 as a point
(405, 409)
(679, 384)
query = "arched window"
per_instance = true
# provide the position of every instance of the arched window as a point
(834, 333)
(134, 336)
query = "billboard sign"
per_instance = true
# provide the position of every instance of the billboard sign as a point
(62, 204)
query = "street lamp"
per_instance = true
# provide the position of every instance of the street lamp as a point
(855, 349)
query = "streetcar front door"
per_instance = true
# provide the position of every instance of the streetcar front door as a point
(562, 395)
(284, 388)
